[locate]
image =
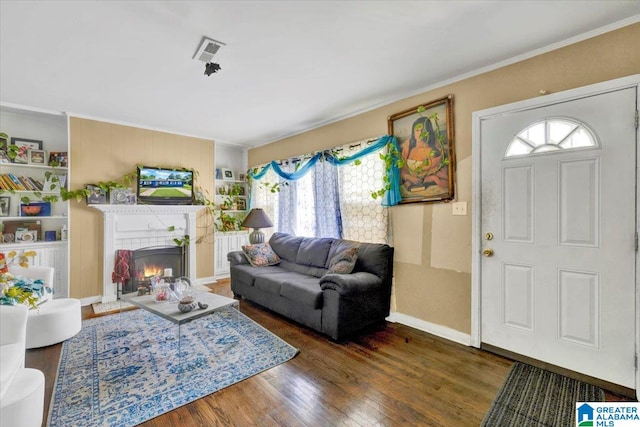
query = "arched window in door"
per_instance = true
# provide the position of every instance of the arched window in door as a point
(553, 134)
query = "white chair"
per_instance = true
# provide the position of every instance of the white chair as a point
(53, 321)
(21, 389)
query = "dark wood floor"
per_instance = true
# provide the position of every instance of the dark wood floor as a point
(391, 375)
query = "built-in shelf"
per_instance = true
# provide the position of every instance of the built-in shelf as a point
(26, 217)
(34, 166)
(52, 129)
(19, 245)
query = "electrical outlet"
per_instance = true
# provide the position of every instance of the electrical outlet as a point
(459, 208)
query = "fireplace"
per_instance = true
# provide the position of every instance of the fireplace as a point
(164, 261)
(133, 227)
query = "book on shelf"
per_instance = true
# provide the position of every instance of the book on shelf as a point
(35, 183)
(8, 182)
(25, 183)
(17, 183)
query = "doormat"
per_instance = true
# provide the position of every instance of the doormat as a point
(534, 397)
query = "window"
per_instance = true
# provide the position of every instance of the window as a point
(330, 200)
(363, 218)
(555, 134)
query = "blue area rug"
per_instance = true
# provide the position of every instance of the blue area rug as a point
(123, 369)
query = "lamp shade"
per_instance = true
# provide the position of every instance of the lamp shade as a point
(257, 219)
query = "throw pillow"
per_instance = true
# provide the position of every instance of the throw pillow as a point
(344, 262)
(260, 255)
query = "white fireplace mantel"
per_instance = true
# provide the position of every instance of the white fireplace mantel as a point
(138, 226)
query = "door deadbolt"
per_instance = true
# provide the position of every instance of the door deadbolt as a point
(488, 236)
(487, 252)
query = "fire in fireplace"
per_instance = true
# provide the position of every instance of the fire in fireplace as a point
(164, 261)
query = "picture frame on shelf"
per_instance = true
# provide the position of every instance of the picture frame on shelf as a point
(24, 145)
(5, 206)
(4, 157)
(242, 177)
(96, 196)
(35, 209)
(58, 158)
(228, 174)
(426, 146)
(121, 196)
(242, 204)
(11, 227)
(26, 235)
(37, 157)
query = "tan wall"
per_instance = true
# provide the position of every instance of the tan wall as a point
(104, 151)
(432, 273)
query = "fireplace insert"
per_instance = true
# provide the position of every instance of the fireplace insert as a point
(159, 261)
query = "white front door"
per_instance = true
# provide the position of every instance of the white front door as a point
(559, 286)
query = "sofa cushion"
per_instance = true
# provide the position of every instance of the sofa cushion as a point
(344, 262)
(272, 283)
(285, 245)
(338, 246)
(314, 251)
(303, 290)
(303, 269)
(260, 255)
(246, 273)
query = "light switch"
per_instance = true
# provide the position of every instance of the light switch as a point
(459, 208)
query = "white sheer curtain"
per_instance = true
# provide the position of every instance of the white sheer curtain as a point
(329, 201)
(363, 218)
(262, 197)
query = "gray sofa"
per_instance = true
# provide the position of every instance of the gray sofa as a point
(299, 287)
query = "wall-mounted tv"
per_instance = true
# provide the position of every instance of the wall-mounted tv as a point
(162, 186)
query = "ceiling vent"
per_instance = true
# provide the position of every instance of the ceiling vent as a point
(207, 50)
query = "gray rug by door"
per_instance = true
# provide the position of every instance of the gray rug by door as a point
(533, 397)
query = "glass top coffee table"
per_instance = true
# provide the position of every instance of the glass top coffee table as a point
(169, 310)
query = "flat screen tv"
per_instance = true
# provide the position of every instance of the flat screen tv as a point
(161, 186)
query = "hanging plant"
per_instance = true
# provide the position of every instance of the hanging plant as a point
(391, 158)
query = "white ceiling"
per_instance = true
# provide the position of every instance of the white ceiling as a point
(287, 67)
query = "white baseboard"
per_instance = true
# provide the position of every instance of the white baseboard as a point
(431, 328)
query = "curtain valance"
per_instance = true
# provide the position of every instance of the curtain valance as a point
(391, 197)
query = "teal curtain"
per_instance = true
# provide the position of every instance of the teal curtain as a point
(391, 197)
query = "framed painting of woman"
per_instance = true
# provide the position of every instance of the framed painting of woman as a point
(426, 146)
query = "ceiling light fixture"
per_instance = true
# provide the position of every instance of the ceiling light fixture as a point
(211, 67)
(205, 53)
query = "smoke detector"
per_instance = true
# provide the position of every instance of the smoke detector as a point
(207, 49)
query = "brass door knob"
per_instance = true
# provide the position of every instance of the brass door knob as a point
(487, 252)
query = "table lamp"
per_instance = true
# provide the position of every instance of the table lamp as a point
(257, 219)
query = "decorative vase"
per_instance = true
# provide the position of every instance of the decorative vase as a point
(161, 292)
(187, 304)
